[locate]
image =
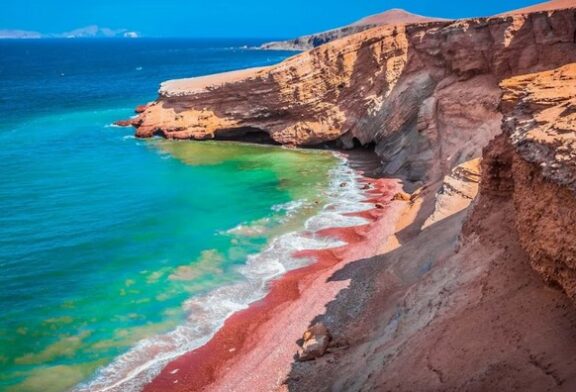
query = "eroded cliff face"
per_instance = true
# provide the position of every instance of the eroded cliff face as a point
(457, 301)
(426, 95)
(539, 158)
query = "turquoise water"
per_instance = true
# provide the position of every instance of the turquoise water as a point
(115, 250)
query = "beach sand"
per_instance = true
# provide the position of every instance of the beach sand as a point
(255, 348)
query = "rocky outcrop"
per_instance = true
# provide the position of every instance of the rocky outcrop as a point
(307, 42)
(540, 117)
(426, 96)
(539, 164)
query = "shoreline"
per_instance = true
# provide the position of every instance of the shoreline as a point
(139, 366)
(267, 331)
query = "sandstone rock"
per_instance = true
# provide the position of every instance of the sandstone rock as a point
(536, 159)
(540, 118)
(421, 93)
(316, 340)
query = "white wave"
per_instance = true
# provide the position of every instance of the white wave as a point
(261, 226)
(207, 313)
(290, 207)
(333, 219)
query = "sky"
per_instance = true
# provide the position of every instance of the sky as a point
(225, 18)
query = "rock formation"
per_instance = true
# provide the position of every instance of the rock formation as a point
(307, 42)
(425, 95)
(540, 128)
(454, 303)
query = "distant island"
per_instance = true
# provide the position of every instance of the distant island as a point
(92, 31)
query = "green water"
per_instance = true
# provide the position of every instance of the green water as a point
(118, 254)
(104, 239)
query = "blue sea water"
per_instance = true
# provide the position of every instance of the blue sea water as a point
(117, 254)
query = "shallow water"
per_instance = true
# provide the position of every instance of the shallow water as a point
(118, 254)
(103, 238)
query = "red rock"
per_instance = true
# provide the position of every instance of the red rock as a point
(370, 86)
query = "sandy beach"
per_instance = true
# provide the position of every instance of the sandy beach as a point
(256, 347)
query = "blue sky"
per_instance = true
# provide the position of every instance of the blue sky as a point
(224, 18)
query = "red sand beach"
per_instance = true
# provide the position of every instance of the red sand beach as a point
(255, 347)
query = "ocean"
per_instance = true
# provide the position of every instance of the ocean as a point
(119, 254)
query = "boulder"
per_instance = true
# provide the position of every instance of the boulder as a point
(316, 340)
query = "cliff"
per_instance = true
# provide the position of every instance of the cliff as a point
(540, 130)
(474, 287)
(307, 42)
(426, 95)
(456, 297)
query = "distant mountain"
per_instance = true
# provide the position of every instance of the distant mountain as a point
(19, 34)
(307, 42)
(92, 31)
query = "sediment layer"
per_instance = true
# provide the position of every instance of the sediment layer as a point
(540, 129)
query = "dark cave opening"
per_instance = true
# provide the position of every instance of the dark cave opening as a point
(245, 134)
(357, 144)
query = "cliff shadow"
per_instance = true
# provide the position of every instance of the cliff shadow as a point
(383, 280)
(446, 313)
